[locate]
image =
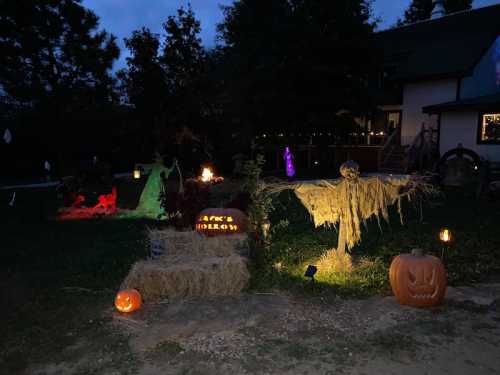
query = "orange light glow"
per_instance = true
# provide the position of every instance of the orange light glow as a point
(445, 235)
(207, 175)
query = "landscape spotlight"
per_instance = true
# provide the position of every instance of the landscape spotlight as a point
(311, 271)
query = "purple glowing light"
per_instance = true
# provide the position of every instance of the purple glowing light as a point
(288, 157)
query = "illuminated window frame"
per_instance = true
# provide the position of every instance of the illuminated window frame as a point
(481, 134)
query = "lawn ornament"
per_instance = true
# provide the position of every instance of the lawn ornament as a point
(350, 170)
(107, 203)
(220, 221)
(417, 279)
(79, 200)
(46, 165)
(348, 202)
(459, 166)
(13, 200)
(150, 203)
(288, 157)
(128, 300)
(7, 136)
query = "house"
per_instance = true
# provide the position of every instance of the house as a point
(443, 76)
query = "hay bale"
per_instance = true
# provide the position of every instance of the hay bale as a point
(204, 277)
(191, 265)
(193, 244)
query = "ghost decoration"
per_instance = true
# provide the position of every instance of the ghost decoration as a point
(13, 200)
(288, 157)
(46, 165)
(7, 136)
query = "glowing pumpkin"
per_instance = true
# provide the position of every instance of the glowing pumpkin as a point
(220, 221)
(128, 300)
(418, 280)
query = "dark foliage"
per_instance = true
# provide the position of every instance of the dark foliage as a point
(421, 10)
(295, 64)
(55, 66)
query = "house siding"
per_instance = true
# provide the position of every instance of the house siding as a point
(461, 127)
(418, 95)
(485, 79)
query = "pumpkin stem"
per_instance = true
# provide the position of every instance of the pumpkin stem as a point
(418, 252)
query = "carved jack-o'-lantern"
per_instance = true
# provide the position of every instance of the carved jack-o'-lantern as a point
(128, 300)
(219, 221)
(418, 280)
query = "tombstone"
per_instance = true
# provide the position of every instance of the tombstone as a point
(459, 172)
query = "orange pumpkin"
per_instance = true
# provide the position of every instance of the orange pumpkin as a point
(417, 279)
(128, 300)
(220, 221)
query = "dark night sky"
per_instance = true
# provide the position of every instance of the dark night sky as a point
(121, 17)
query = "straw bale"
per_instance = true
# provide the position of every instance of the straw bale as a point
(191, 244)
(208, 276)
(191, 265)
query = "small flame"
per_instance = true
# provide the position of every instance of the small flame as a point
(445, 235)
(207, 175)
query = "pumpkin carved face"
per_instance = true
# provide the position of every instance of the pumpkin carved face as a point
(128, 300)
(418, 280)
(220, 221)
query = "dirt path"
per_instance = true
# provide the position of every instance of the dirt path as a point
(277, 334)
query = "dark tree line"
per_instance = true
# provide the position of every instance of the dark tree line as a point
(421, 10)
(284, 65)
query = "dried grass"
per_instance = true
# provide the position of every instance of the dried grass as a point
(191, 244)
(333, 261)
(191, 266)
(205, 277)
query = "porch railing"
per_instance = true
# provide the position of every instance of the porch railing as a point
(388, 147)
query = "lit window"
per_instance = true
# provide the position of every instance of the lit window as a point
(490, 128)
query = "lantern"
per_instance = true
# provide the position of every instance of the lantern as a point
(445, 235)
(220, 221)
(137, 173)
(418, 280)
(128, 300)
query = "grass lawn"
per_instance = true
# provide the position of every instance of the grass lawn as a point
(473, 256)
(59, 278)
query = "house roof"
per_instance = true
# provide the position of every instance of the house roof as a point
(481, 103)
(446, 47)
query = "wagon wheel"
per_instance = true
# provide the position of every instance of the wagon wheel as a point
(459, 166)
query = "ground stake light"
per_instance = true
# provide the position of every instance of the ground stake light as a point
(310, 272)
(137, 174)
(445, 236)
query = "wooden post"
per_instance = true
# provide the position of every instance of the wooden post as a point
(342, 239)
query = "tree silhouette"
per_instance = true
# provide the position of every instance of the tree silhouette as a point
(166, 80)
(421, 10)
(295, 64)
(55, 64)
(52, 53)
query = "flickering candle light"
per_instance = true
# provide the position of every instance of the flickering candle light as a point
(137, 173)
(445, 235)
(207, 175)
